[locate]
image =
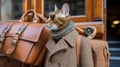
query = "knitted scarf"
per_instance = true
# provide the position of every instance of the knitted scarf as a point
(59, 34)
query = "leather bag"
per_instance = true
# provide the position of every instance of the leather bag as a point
(7, 62)
(98, 25)
(24, 41)
(100, 52)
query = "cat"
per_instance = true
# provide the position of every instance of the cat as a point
(59, 22)
(61, 47)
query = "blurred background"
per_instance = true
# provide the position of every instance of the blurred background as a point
(113, 31)
(12, 10)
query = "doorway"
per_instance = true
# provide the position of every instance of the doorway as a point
(113, 31)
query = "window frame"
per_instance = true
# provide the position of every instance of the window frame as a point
(39, 7)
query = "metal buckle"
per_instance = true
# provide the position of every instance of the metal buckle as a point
(16, 37)
(2, 37)
(15, 40)
(90, 31)
(34, 21)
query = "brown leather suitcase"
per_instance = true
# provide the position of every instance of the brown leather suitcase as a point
(100, 52)
(24, 41)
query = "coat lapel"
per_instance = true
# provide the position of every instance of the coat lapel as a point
(50, 44)
(54, 48)
(70, 39)
(67, 41)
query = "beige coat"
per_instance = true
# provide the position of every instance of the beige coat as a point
(63, 53)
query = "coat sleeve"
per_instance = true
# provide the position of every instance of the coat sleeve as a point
(86, 59)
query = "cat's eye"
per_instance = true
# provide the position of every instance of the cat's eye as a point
(52, 16)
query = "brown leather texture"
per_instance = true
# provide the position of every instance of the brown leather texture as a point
(2, 27)
(78, 50)
(25, 41)
(7, 62)
(100, 53)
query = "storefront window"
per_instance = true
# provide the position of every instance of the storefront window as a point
(77, 7)
(10, 9)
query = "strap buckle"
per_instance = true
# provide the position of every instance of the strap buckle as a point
(18, 33)
(15, 40)
(90, 31)
(2, 36)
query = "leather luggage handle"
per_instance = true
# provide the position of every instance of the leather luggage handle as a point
(39, 16)
(26, 13)
(90, 31)
(36, 17)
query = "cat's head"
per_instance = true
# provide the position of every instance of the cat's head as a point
(59, 18)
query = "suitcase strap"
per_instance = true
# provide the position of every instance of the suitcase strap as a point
(2, 36)
(16, 39)
(78, 50)
(18, 33)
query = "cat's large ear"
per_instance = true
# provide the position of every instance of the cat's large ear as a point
(56, 8)
(65, 9)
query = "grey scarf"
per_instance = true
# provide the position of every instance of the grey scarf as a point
(59, 34)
